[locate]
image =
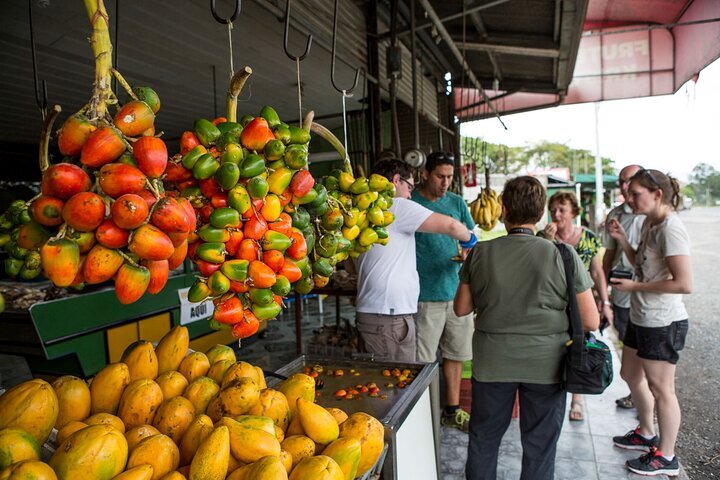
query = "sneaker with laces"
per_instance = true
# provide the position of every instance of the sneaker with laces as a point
(460, 419)
(653, 463)
(634, 441)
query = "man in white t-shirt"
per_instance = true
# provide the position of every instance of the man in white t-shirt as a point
(614, 260)
(388, 283)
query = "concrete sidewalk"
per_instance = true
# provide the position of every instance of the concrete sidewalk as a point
(585, 449)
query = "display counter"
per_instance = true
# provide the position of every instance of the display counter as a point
(81, 333)
(404, 412)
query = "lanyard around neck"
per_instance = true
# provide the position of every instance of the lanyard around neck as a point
(521, 231)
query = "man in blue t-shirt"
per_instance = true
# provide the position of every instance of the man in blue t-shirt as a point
(438, 266)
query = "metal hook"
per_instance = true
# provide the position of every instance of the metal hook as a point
(344, 91)
(40, 93)
(225, 20)
(287, 33)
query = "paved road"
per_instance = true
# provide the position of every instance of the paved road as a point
(698, 374)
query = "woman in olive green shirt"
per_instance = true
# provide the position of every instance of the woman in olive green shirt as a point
(516, 285)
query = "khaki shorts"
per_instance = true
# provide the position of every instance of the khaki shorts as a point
(388, 337)
(438, 326)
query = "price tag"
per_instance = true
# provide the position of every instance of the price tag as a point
(192, 312)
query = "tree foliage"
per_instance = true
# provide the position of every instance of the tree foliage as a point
(541, 155)
(704, 183)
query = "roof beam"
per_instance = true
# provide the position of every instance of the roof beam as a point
(512, 50)
(477, 22)
(458, 56)
(485, 6)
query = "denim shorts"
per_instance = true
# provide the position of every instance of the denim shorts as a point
(657, 343)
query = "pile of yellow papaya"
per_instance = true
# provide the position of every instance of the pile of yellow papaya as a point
(165, 413)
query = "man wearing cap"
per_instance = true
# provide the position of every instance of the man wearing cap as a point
(438, 268)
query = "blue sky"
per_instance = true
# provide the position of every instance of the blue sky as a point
(671, 133)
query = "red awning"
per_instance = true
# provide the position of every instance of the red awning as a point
(628, 49)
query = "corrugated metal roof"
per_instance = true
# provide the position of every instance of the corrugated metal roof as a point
(173, 46)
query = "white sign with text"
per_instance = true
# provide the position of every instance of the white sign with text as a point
(192, 312)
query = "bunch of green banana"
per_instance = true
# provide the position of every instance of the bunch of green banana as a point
(486, 209)
(21, 239)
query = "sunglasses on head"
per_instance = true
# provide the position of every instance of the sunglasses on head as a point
(440, 156)
(650, 175)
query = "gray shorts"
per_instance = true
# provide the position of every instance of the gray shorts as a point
(438, 326)
(388, 337)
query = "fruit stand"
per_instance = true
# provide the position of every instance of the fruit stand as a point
(118, 213)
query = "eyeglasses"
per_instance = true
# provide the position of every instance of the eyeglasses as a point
(410, 186)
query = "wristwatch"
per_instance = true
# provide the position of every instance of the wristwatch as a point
(607, 302)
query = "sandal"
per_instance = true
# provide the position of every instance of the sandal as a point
(576, 412)
(625, 402)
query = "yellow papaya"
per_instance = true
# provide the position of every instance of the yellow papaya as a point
(173, 417)
(317, 468)
(200, 392)
(296, 386)
(159, 451)
(98, 451)
(141, 360)
(141, 472)
(17, 445)
(197, 431)
(257, 421)
(31, 406)
(220, 352)
(28, 470)
(295, 427)
(68, 430)
(174, 476)
(237, 371)
(267, 468)
(286, 460)
(172, 384)
(139, 403)
(346, 452)
(371, 434)
(318, 423)
(73, 396)
(172, 348)
(249, 444)
(339, 415)
(107, 387)
(299, 447)
(233, 400)
(106, 419)
(136, 434)
(194, 365)
(212, 457)
(219, 368)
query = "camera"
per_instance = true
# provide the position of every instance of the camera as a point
(621, 274)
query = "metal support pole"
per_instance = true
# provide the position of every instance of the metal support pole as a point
(599, 191)
(416, 116)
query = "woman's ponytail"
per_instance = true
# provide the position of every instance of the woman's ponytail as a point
(675, 197)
